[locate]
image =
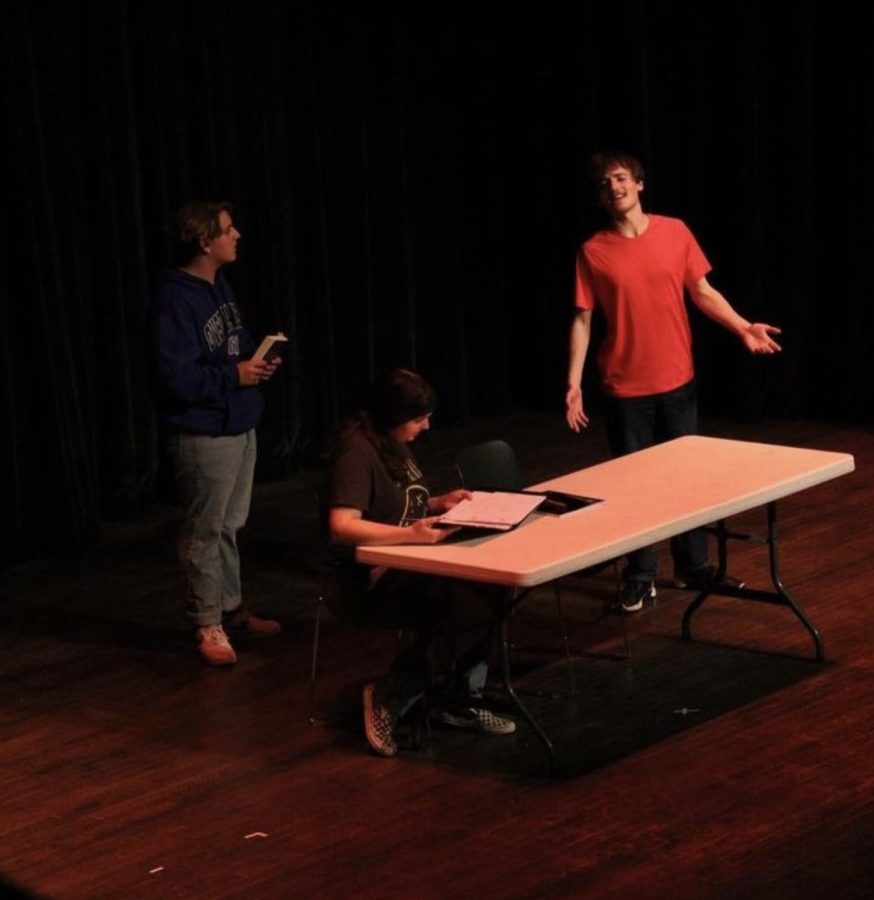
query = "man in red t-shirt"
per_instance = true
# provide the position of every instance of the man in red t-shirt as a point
(636, 271)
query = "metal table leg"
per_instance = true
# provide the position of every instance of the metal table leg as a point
(515, 599)
(780, 596)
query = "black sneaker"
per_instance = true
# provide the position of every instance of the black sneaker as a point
(471, 718)
(634, 593)
(378, 724)
(705, 577)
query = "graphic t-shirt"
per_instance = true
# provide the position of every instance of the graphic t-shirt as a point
(360, 480)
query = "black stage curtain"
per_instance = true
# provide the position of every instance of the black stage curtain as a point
(410, 190)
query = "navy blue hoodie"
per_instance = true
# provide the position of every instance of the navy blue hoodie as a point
(197, 340)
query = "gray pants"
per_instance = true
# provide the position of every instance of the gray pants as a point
(214, 475)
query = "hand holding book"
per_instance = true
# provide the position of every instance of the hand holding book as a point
(266, 359)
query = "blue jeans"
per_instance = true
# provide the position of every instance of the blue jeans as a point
(214, 475)
(455, 633)
(635, 423)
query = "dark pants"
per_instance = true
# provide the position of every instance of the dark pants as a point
(635, 423)
(455, 633)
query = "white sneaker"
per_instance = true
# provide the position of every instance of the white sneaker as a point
(635, 593)
(215, 648)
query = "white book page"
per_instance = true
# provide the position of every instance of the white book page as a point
(492, 509)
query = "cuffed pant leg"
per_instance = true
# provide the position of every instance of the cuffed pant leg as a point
(236, 515)
(207, 471)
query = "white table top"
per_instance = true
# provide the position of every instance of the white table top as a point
(648, 496)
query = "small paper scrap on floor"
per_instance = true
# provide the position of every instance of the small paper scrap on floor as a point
(254, 834)
(685, 711)
(156, 870)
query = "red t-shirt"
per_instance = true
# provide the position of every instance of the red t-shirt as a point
(638, 283)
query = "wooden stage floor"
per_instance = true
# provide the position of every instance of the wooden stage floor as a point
(707, 769)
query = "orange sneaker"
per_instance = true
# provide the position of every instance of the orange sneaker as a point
(215, 648)
(254, 626)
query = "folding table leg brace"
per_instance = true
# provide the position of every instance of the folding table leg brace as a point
(780, 596)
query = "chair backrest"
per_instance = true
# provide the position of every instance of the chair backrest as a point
(489, 466)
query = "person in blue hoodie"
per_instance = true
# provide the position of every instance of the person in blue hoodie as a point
(209, 404)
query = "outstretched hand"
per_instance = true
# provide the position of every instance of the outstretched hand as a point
(757, 338)
(575, 414)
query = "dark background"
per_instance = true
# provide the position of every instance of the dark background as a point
(410, 188)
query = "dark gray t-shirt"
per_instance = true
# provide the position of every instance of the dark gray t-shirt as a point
(360, 480)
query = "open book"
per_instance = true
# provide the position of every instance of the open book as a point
(497, 510)
(271, 347)
(503, 510)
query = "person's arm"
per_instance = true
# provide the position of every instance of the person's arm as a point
(756, 336)
(581, 329)
(347, 526)
(181, 368)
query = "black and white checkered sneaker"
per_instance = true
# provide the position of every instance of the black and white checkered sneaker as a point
(472, 718)
(378, 724)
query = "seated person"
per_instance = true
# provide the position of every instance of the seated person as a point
(377, 495)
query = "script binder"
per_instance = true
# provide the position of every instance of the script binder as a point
(492, 510)
(504, 510)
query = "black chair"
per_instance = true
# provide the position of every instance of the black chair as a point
(492, 466)
(489, 466)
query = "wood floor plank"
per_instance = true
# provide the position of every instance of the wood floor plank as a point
(726, 767)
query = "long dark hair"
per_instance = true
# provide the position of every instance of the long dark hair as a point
(398, 396)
